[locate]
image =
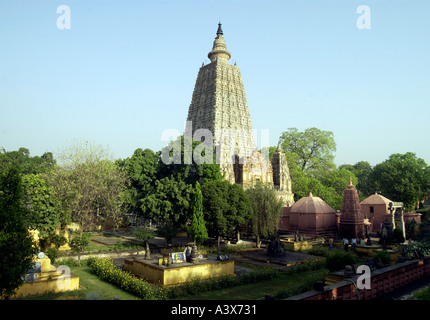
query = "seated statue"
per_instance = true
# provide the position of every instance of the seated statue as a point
(276, 247)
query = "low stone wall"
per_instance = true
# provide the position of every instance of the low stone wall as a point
(383, 281)
(102, 254)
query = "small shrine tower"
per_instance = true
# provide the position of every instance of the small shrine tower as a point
(351, 224)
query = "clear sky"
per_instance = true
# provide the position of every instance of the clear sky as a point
(125, 71)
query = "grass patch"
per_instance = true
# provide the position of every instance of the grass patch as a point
(422, 295)
(283, 286)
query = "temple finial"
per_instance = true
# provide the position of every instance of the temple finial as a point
(219, 31)
(219, 48)
(350, 186)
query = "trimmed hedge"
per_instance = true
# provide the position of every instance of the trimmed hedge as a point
(126, 281)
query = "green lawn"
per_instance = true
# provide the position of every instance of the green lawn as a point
(258, 290)
(92, 288)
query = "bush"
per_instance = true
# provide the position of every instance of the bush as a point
(58, 240)
(382, 256)
(52, 254)
(69, 262)
(398, 234)
(337, 260)
(321, 252)
(423, 295)
(118, 245)
(423, 246)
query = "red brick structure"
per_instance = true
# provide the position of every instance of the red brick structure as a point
(351, 224)
(311, 216)
(383, 281)
(376, 208)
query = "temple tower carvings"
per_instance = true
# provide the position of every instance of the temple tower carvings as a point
(219, 105)
(351, 224)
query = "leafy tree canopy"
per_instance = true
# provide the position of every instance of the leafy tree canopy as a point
(266, 208)
(16, 244)
(403, 178)
(226, 207)
(198, 231)
(313, 148)
(25, 162)
(42, 205)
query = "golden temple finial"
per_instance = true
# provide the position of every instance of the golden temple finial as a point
(350, 186)
(219, 49)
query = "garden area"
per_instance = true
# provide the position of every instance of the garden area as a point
(100, 280)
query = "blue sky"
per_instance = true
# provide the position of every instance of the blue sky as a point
(126, 70)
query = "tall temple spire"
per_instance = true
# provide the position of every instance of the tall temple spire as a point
(219, 106)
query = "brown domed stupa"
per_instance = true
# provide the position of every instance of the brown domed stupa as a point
(312, 216)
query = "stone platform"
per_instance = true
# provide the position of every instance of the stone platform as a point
(46, 278)
(178, 273)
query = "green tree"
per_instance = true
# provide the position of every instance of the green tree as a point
(363, 171)
(216, 205)
(329, 185)
(333, 183)
(314, 148)
(141, 169)
(162, 183)
(170, 201)
(17, 249)
(79, 244)
(226, 207)
(198, 231)
(89, 185)
(43, 208)
(189, 160)
(403, 178)
(325, 192)
(167, 230)
(266, 208)
(144, 234)
(240, 212)
(26, 163)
